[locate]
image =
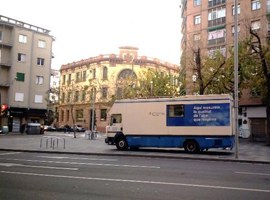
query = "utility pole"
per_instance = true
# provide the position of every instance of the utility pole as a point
(236, 77)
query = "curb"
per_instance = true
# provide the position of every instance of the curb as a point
(143, 156)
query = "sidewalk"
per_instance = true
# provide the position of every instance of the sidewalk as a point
(248, 151)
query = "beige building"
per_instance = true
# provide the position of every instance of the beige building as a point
(208, 25)
(100, 78)
(25, 64)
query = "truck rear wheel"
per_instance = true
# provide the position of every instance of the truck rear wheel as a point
(121, 144)
(191, 146)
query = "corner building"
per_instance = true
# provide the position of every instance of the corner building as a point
(103, 74)
(25, 64)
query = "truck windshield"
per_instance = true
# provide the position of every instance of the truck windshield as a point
(116, 118)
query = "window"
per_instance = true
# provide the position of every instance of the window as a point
(94, 73)
(79, 115)
(40, 61)
(238, 9)
(63, 79)
(68, 97)
(39, 80)
(267, 8)
(1, 36)
(78, 77)
(63, 97)
(103, 114)
(104, 92)
(20, 76)
(38, 98)
(197, 19)
(105, 73)
(84, 76)
(175, 110)
(196, 37)
(213, 51)
(41, 44)
(255, 4)
(22, 38)
(197, 2)
(216, 34)
(69, 79)
(76, 96)
(255, 25)
(21, 57)
(217, 13)
(83, 95)
(19, 96)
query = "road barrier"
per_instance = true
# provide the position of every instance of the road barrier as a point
(52, 141)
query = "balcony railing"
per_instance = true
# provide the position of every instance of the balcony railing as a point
(216, 22)
(215, 3)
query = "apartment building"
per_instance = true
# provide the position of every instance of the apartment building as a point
(90, 84)
(208, 25)
(25, 65)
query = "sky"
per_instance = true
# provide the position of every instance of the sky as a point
(88, 28)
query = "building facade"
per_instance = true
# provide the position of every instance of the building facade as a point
(208, 25)
(25, 64)
(91, 84)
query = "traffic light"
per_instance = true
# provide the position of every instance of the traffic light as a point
(4, 109)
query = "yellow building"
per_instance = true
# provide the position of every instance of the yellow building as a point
(93, 82)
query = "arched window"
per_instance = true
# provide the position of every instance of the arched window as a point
(126, 73)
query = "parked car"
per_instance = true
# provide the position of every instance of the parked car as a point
(79, 128)
(49, 128)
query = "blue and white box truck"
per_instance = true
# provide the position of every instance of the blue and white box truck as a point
(192, 122)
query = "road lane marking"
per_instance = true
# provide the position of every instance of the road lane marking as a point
(36, 166)
(80, 163)
(253, 173)
(72, 158)
(9, 153)
(138, 181)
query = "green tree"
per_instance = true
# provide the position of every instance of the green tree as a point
(259, 75)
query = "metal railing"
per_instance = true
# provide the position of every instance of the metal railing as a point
(52, 141)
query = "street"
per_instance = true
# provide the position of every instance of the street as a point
(63, 176)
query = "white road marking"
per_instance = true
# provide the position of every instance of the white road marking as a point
(72, 158)
(139, 181)
(9, 153)
(80, 163)
(252, 173)
(36, 166)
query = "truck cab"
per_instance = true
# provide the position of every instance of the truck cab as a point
(114, 128)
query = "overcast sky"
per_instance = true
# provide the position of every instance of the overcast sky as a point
(88, 28)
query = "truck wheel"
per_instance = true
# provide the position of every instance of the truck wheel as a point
(191, 146)
(121, 144)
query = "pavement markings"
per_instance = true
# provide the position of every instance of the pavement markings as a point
(35, 166)
(139, 181)
(9, 153)
(72, 158)
(81, 163)
(252, 173)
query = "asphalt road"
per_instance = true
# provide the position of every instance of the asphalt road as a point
(54, 176)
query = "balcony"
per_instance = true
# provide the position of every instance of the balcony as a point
(215, 3)
(217, 22)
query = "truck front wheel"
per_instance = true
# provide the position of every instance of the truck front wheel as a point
(191, 146)
(121, 144)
